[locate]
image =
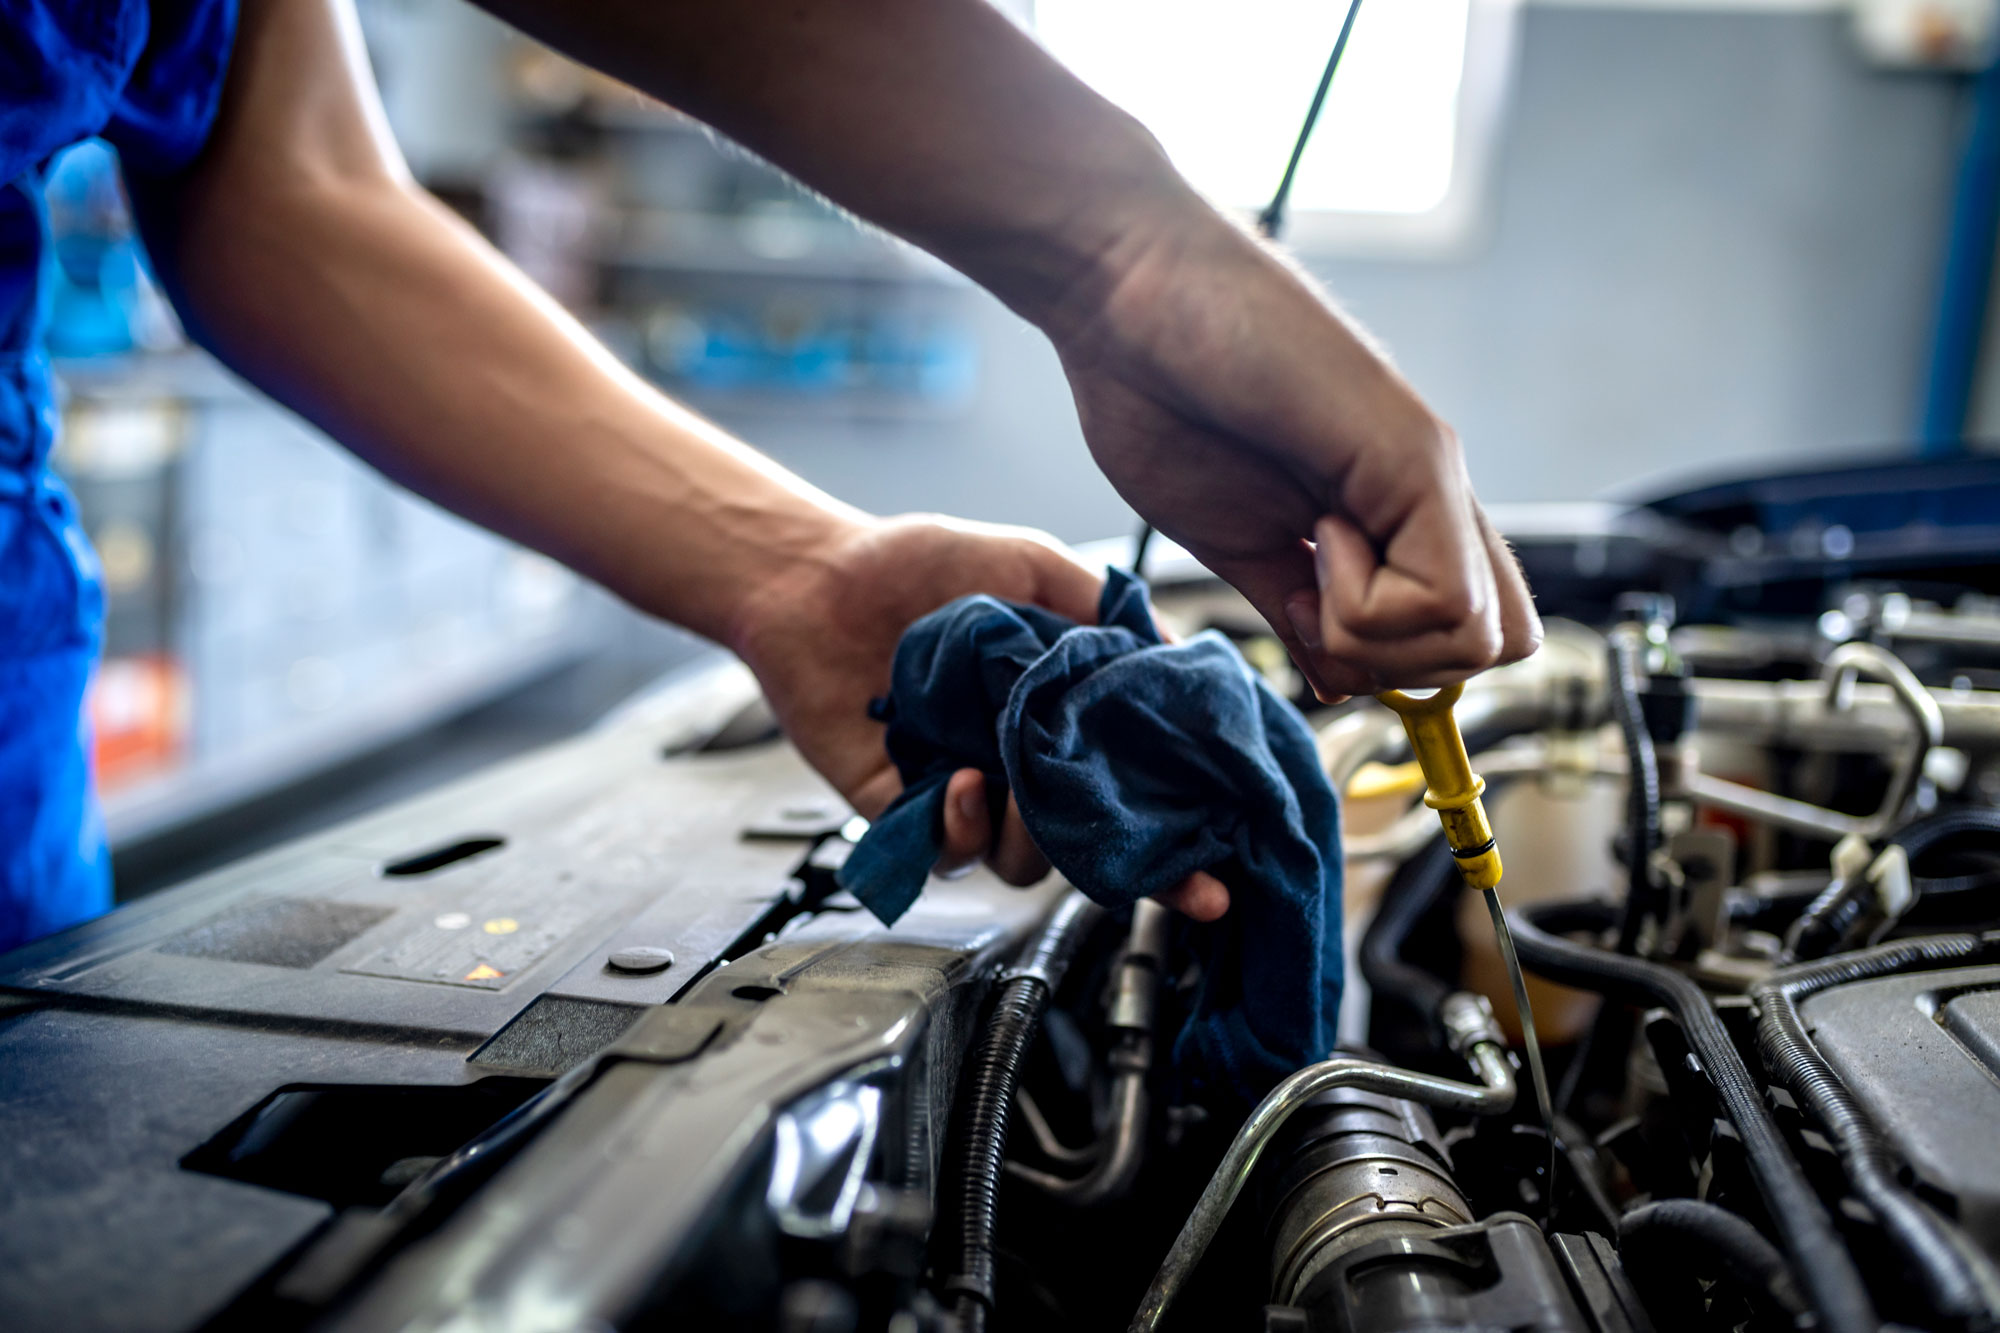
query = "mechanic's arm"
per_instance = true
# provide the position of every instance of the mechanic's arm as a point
(300, 252)
(1225, 398)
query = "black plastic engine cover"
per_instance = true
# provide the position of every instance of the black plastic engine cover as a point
(1921, 1053)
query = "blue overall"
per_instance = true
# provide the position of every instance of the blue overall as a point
(148, 78)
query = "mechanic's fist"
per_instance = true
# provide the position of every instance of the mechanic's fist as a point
(1236, 409)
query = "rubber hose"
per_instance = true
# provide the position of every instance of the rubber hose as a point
(1932, 831)
(1827, 919)
(1939, 1258)
(1666, 1228)
(1821, 1265)
(979, 1153)
(1418, 884)
(1642, 790)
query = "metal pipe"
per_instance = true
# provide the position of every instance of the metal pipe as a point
(1474, 1034)
(1121, 1149)
(1797, 713)
(1848, 661)
(1925, 718)
(1045, 1138)
(1801, 817)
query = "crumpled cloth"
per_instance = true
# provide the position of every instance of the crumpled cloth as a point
(1135, 763)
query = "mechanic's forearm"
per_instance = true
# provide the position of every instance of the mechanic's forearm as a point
(369, 309)
(936, 119)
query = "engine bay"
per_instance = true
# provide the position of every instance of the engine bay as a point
(594, 1040)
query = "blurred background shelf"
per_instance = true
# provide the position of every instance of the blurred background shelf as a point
(203, 788)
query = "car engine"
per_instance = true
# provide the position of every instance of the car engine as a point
(594, 1040)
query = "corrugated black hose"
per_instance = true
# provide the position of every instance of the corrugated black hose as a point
(1821, 1265)
(978, 1150)
(1658, 1235)
(1941, 1261)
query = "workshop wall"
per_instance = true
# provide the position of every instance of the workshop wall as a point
(1714, 240)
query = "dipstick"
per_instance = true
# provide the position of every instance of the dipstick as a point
(1454, 792)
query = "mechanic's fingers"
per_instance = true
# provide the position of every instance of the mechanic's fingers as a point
(1381, 625)
(1274, 586)
(1520, 625)
(1014, 856)
(968, 824)
(1427, 580)
(1201, 896)
(969, 834)
(1063, 583)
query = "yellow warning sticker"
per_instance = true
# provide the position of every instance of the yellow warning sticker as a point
(501, 925)
(484, 972)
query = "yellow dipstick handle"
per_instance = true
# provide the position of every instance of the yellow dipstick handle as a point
(1454, 788)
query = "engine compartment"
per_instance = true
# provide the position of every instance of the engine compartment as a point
(595, 1041)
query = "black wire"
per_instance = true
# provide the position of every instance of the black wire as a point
(1272, 219)
(1642, 805)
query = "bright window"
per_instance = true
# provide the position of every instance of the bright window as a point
(1225, 86)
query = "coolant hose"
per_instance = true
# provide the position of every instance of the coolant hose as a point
(978, 1152)
(1824, 1269)
(1660, 1233)
(1418, 884)
(1642, 789)
(1940, 1260)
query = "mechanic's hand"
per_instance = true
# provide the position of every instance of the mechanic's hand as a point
(821, 641)
(1232, 406)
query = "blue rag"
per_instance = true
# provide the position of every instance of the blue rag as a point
(1135, 763)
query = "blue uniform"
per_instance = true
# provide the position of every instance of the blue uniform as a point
(148, 78)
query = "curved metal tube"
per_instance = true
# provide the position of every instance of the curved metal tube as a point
(1843, 665)
(1851, 660)
(1118, 1156)
(1045, 1138)
(1492, 1095)
(1121, 1150)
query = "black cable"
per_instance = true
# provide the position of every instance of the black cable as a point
(1605, 1041)
(1821, 1264)
(1416, 888)
(1938, 1256)
(1272, 219)
(978, 1151)
(1642, 789)
(1968, 835)
(1655, 1237)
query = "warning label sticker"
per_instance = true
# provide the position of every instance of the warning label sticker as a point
(498, 932)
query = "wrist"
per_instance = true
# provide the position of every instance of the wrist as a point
(1151, 262)
(786, 575)
(1061, 260)
(741, 530)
